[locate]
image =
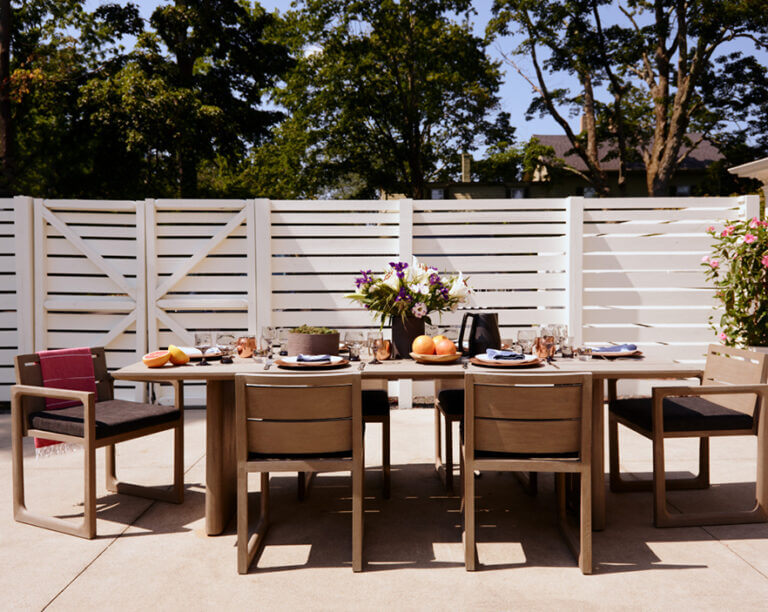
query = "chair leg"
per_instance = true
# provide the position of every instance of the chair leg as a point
(249, 546)
(174, 495)
(357, 517)
(448, 455)
(619, 484)
(470, 550)
(385, 457)
(438, 442)
(89, 506)
(585, 523)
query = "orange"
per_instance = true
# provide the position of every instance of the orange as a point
(178, 357)
(423, 345)
(445, 347)
(437, 338)
(157, 359)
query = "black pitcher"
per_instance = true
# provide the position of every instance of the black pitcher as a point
(483, 333)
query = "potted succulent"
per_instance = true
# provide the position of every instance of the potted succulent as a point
(738, 268)
(308, 340)
(406, 295)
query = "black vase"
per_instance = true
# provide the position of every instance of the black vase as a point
(404, 332)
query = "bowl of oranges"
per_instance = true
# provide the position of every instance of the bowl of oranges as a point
(437, 349)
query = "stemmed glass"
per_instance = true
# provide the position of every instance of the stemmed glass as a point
(203, 342)
(268, 335)
(226, 342)
(526, 338)
(278, 342)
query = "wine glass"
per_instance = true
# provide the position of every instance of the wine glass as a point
(203, 342)
(278, 342)
(226, 342)
(267, 336)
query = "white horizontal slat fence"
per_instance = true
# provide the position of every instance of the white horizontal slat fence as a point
(141, 275)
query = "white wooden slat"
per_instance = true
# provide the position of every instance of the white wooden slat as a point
(657, 279)
(200, 302)
(8, 319)
(701, 333)
(95, 205)
(389, 206)
(92, 321)
(73, 284)
(333, 231)
(642, 261)
(538, 204)
(189, 248)
(648, 297)
(58, 245)
(89, 303)
(195, 220)
(659, 203)
(668, 244)
(514, 299)
(697, 228)
(711, 216)
(475, 264)
(550, 219)
(102, 232)
(7, 283)
(327, 246)
(331, 318)
(330, 264)
(66, 265)
(182, 204)
(490, 245)
(487, 229)
(192, 321)
(61, 339)
(318, 217)
(8, 337)
(648, 316)
(179, 233)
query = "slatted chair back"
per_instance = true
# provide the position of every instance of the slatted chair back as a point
(731, 366)
(288, 415)
(28, 372)
(528, 414)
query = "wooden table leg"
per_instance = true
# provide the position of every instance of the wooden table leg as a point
(598, 455)
(220, 464)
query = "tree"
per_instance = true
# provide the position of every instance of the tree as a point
(6, 125)
(654, 68)
(384, 94)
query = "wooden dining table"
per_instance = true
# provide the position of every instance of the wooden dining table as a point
(221, 472)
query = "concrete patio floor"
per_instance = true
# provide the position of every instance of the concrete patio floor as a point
(152, 555)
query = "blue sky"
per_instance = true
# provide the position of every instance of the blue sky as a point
(515, 92)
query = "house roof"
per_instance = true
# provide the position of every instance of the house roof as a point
(703, 155)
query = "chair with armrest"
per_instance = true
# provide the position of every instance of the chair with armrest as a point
(449, 409)
(99, 420)
(375, 408)
(296, 424)
(530, 422)
(728, 403)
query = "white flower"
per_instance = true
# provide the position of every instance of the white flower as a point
(419, 272)
(459, 288)
(391, 280)
(419, 309)
(421, 288)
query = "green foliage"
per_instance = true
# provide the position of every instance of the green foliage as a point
(647, 75)
(309, 329)
(738, 269)
(384, 93)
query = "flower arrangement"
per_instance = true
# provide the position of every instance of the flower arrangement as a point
(404, 291)
(738, 267)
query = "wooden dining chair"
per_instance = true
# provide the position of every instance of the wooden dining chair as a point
(729, 402)
(530, 422)
(375, 409)
(449, 409)
(98, 421)
(296, 424)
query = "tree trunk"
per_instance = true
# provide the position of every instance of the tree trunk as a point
(6, 121)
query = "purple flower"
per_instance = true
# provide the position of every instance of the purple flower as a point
(434, 279)
(367, 277)
(403, 295)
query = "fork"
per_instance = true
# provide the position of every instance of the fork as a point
(267, 363)
(361, 367)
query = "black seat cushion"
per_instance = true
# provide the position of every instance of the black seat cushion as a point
(375, 402)
(283, 456)
(681, 414)
(113, 417)
(497, 455)
(452, 401)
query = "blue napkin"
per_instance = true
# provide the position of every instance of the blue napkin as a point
(497, 354)
(619, 348)
(312, 358)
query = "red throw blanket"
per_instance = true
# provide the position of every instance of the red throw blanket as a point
(65, 369)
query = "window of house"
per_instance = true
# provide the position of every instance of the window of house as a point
(438, 194)
(683, 190)
(589, 192)
(517, 193)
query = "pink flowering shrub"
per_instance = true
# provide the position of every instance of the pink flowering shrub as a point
(738, 269)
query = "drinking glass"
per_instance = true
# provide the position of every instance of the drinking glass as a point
(375, 344)
(203, 341)
(566, 347)
(267, 336)
(278, 342)
(353, 340)
(226, 342)
(526, 338)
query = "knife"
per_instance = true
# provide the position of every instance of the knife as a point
(267, 364)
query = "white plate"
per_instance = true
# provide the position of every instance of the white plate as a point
(334, 359)
(195, 353)
(527, 359)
